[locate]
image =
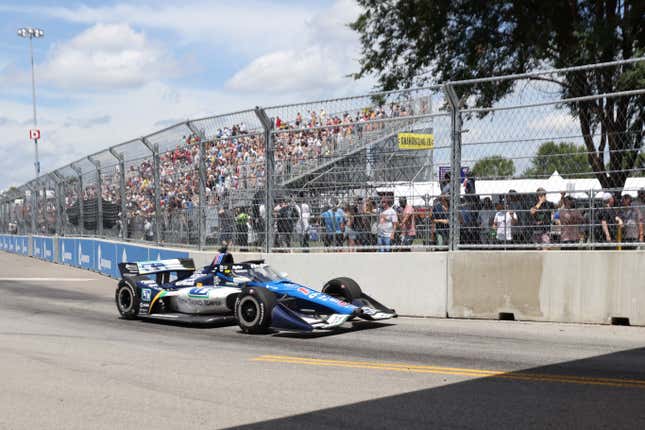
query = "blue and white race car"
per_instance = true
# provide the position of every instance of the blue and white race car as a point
(251, 293)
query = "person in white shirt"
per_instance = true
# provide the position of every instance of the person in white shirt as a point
(503, 222)
(387, 224)
(302, 227)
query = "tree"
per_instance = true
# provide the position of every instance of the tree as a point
(410, 42)
(569, 159)
(494, 166)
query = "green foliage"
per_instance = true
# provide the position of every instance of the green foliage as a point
(494, 166)
(412, 42)
(568, 159)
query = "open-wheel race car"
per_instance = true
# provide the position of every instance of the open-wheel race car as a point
(251, 293)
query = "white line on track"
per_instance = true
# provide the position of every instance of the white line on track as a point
(50, 279)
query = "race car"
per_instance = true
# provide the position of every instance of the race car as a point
(251, 293)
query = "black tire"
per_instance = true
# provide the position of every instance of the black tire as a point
(253, 309)
(127, 298)
(343, 288)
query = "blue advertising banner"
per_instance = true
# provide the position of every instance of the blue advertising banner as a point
(85, 254)
(48, 249)
(106, 258)
(130, 253)
(67, 251)
(92, 254)
(25, 245)
(38, 247)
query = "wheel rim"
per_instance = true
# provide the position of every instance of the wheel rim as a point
(249, 311)
(125, 299)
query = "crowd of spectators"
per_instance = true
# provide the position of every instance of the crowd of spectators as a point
(235, 160)
(383, 223)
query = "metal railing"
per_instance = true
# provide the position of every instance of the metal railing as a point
(522, 161)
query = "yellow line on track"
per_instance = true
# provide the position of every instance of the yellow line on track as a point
(477, 373)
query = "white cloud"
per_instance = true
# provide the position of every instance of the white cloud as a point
(318, 62)
(106, 56)
(290, 70)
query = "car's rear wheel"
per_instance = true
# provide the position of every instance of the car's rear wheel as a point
(253, 309)
(343, 288)
(127, 299)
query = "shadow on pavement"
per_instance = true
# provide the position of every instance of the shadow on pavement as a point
(499, 403)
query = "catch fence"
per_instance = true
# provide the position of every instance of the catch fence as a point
(549, 159)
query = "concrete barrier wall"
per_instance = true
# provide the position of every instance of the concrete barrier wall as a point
(564, 286)
(411, 283)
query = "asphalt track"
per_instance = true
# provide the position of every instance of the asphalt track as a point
(68, 362)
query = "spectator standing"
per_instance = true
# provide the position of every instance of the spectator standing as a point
(148, 231)
(351, 216)
(328, 219)
(541, 217)
(487, 215)
(521, 205)
(631, 219)
(241, 221)
(339, 222)
(571, 222)
(226, 227)
(440, 213)
(361, 223)
(608, 218)
(303, 226)
(503, 222)
(287, 217)
(371, 215)
(408, 223)
(386, 226)
(639, 203)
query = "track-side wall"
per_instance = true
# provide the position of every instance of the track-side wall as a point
(561, 286)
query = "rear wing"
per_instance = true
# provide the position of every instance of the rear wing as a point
(159, 266)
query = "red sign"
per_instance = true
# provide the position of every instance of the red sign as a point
(34, 134)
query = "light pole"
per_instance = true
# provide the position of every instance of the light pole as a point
(29, 32)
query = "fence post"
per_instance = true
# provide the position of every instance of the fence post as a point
(267, 124)
(3, 214)
(81, 212)
(58, 179)
(201, 226)
(154, 148)
(99, 196)
(33, 196)
(455, 165)
(122, 191)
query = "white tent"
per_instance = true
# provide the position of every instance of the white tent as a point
(554, 185)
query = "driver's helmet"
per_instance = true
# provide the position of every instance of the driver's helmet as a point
(222, 258)
(225, 259)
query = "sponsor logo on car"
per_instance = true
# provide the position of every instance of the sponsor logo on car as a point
(146, 294)
(198, 293)
(303, 290)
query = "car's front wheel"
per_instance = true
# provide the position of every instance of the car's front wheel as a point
(127, 299)
(253, 309)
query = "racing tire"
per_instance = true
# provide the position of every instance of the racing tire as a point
(346, 289)
(127, 298)
(253, 309)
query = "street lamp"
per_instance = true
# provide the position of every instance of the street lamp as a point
(29, 32)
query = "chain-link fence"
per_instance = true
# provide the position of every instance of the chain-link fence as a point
(549, 159)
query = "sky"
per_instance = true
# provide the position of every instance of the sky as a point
(108, 72)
